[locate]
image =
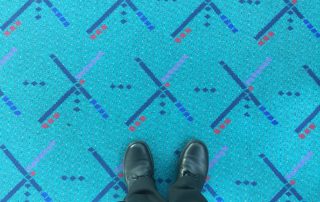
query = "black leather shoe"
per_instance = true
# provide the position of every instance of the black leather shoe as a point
(194, 161)
(138, 163)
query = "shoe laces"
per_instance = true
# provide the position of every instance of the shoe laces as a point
(136, 177)
(190, 174)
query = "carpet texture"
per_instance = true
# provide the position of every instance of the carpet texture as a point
(80, 80)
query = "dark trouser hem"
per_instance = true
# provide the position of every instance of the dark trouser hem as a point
(187, 189)
(143, 190)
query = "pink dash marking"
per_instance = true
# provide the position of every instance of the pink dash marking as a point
(56, 115)
(98, 32)
(167, 84)
(266, 38)
(312, 126)
(81, 81)
(222, 126)
(182, 35)
(227, 121)
(132, 128)
(177, 40)
(294, 1)
(137, 123)
(302, 136)
(7, 33)
(188, 30)
(292, 182)
(307, 131)
(45, 125)
(33, 173)
(142, 118)
(18, 23)
(250, 88)
(216, 131)
(93, 37)
(104, 27)
(50, 121)
(120, 175)
(12, 28)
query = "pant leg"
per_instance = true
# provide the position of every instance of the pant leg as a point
(186, 189)
(143, 190)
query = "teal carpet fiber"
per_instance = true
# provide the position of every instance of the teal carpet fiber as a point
(80, 80)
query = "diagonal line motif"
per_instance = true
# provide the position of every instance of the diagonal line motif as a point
(26, 178)
(112, 9)
(287, 185)
(115, 179)
(77, 87)
(161, 89)
(25, 6)
(245, 92)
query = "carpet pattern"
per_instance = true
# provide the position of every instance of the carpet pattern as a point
(80, 80)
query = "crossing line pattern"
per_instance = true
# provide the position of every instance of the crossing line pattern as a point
(14, 18)
(239, 76)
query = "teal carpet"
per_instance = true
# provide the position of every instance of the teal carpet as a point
(80, 80)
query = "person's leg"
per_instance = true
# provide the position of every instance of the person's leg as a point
(138, 172)
(193, 169)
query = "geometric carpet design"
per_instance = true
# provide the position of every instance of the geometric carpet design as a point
(80, 80)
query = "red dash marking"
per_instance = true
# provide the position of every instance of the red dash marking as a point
(132, 128)
(12, 28)
(216, 131)
(7, 33)
(120, 175)
(271, 33)
(50, 121)
(222, 126)
(137, 123)
(93, 37)
(81, 81)
(142, 118)
(167, 84)
(307, 131)
(178, 40)
(260, 43)
(188, 30)
(104, 27)
(227, 121)
(44, 125)
(250, 88)
(18, 23)
(182, 35)
(56, 115)
(33, 173)
(266, 38)
(312, 126)
(98, 32)
(302, 136)
(292, 182)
